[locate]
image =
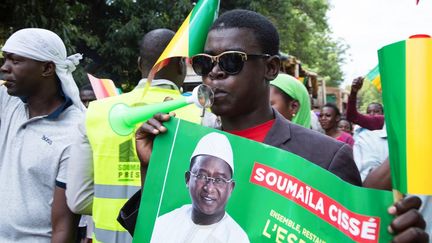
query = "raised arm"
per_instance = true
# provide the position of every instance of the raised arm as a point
(366, 121)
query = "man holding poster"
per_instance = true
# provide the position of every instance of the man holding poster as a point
(241, 57)
(210, 185)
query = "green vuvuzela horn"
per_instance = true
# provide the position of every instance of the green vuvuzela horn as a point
(123, 118)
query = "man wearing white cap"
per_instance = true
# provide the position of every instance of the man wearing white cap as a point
(39, 112)
(210, 185)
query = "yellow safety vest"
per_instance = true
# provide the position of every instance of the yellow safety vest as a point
(116, 165)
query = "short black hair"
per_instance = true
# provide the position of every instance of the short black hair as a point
(265, 32)
(377, 104)
(152, 46)
(334, 107)
(86, 86)
(343, 118)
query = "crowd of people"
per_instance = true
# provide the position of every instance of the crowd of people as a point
(59, 158)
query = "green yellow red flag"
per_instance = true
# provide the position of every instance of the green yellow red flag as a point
(406, 77)
(102, 87)
(191, 36)
(374, 77)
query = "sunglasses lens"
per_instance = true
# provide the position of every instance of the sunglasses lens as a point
(231, 63)
(202, 65)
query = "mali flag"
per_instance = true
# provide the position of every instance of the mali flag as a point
(374, 77)
(190, 38)
(406, 76)
(102, 87)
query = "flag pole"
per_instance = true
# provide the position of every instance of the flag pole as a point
(397, 195)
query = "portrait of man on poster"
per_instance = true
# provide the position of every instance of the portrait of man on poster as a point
(210, 184)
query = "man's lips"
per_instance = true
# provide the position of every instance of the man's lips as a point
(8, 83)
(7, 80)
(208, 199)
(218, 94)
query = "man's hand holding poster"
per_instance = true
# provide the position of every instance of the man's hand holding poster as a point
(205, 185)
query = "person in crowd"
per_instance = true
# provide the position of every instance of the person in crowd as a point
(315, 125)
(99, 184)
(85, 229)
(39, 112)
(345, 126)
(87, 94)
(374, 120)
(291, 99)
(210, 183)
(375, 109)
(370, 151)
(242, 102)
(329, 118)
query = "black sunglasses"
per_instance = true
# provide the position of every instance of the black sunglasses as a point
(231, 62)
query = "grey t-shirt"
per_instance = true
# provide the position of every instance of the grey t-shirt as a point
(33, 157)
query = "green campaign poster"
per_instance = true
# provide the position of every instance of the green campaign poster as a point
(278, 196)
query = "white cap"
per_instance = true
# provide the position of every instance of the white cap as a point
(217, 145)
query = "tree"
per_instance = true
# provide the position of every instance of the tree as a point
(107, 32)
(304, 33)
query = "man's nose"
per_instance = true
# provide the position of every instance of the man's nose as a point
(213, 80)
(5, 68)
(209, 185)
(216, 72)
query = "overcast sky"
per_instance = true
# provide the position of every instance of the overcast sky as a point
(368, 25)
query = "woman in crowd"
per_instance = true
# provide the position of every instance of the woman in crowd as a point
(345, 126)
(329, 118)
(291, 98)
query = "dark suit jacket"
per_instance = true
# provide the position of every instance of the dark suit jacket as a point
(330, 154)
(320, 149)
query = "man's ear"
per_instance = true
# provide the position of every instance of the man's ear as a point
(232, 185)
(181, 67)
(139, 63)
(48, 69)
(294, 106)
(273, 66)
(187, 178)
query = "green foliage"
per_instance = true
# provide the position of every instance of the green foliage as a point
(107, 32)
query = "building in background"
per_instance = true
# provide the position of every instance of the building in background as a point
(316, 86)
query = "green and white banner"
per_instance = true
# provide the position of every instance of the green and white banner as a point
(278, 196)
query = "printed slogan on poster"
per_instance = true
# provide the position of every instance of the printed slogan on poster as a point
(278, 196)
